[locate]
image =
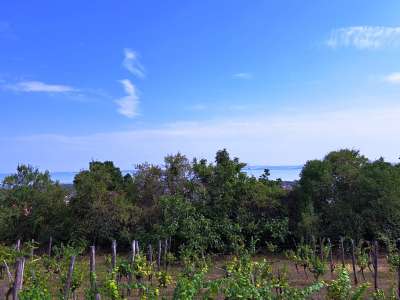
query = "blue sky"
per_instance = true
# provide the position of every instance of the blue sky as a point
(275, 82)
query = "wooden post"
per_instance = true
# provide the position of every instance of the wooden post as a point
(150, 253)
(332, 266)
(33, 248)
(398, 269)
(92, 267)
(159, 255)
(50, 245)
(114, 254)
(137, 247)
(19, 277)
(133, 254)
(375, 264)
(165, 253)
(18, 245)
(67, 285)
(8, 272)
(92, 270)
(342, 249)
(133, 251)
(398, 282)
(353, 261)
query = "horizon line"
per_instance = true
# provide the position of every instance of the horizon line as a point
(253, 167)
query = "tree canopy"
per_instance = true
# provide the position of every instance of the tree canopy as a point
(205, 206)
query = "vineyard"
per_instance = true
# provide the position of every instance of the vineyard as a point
(310, 271)
(203, 230)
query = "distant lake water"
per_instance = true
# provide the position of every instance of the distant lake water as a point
(286, 173)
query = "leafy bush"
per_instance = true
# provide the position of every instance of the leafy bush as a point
(341, 289)
(35, 286)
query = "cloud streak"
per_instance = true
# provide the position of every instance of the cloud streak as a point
(39, 87)
(132, 64)
(243, 75)
(393, 78)
(128, 105)
(365, 37)
(278, 139)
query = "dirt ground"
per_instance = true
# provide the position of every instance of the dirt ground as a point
(386, 279)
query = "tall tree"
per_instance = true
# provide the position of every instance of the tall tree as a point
(33, 205)
(99, 208)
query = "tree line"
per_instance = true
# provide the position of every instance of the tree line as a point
(205, 207)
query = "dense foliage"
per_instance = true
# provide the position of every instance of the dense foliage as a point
(345, 194)
(200, 206)
(205, 207)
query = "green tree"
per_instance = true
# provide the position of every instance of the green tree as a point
(32, 205)
(99, 210)
(346, 195)
(241, 207)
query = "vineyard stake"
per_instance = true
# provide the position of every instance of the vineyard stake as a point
(165, 253)
(398, 282)
(159, 255)
(8, 272)
(33, 247)
(342, 249)
(18, 245)
(50, 245)
(137, 247)
(353, 261)
(375, 264)
(133, 254)
(114, 254)
(370, 256)
(69, 278)
(19, 277)
(330, 256)
(150, 253)
(133, 251)
(92, 267)
(150, 258)
(92, 270)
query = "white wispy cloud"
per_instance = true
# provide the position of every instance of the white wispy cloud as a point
(259, 139)
(393, 78)
(243, 75)
(39, 86)
(365, 37)
(128, 105)
(132, 64)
